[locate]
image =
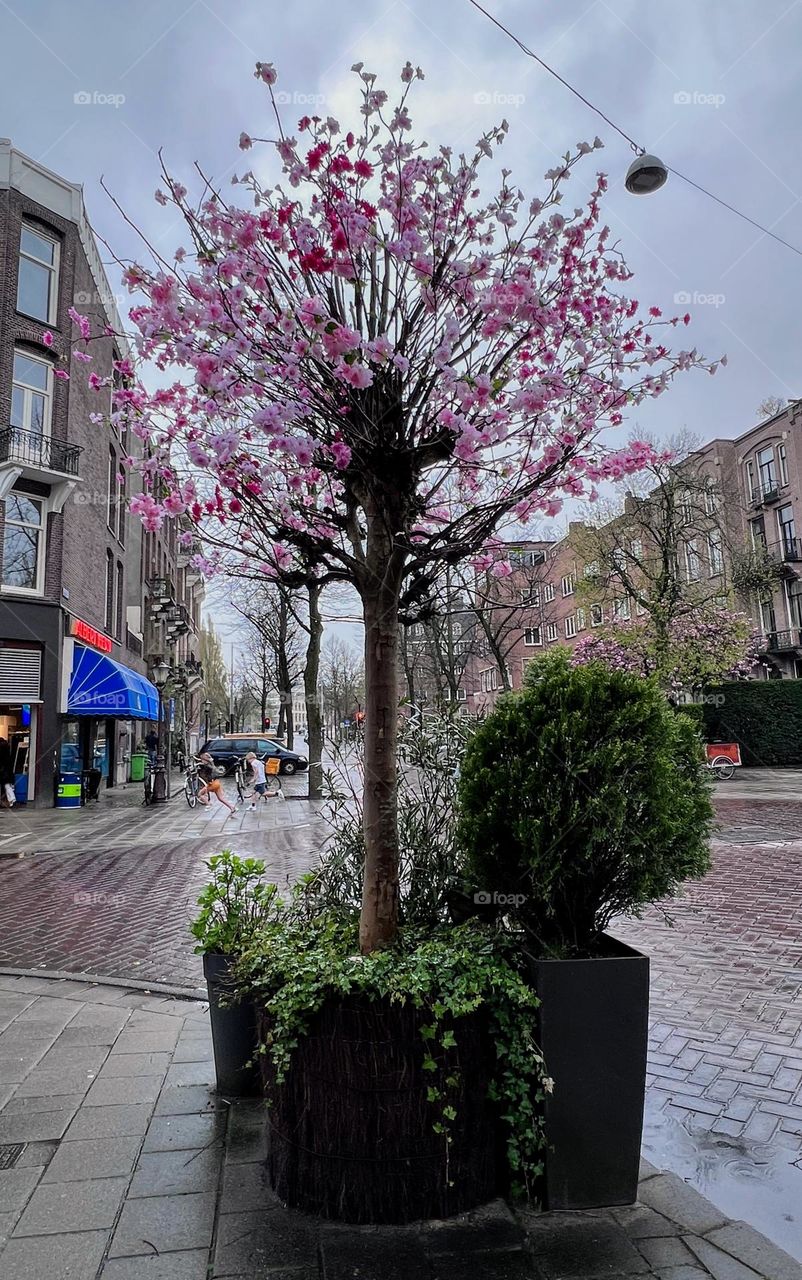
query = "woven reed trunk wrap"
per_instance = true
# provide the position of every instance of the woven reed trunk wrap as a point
(351, 1134)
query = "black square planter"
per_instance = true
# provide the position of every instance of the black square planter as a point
(592, 1027)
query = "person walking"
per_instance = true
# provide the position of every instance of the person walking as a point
(259, 778)
(7, 796)
(211, 783)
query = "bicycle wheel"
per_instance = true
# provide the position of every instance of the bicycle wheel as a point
(191, 792)
(239, 778)
(723, 768)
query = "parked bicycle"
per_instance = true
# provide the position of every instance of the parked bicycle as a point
(240, 773)
(192, 783)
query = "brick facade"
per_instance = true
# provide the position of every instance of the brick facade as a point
(96, 567)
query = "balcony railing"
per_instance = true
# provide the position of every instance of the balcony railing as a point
(44, 453)
(783, 641)
(133, 643)
(766, 491)
(788, 551)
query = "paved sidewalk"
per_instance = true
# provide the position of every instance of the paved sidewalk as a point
(118, 1162)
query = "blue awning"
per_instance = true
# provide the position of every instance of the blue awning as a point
(99, 686)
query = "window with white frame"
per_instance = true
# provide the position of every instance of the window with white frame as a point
(551, 632)
(32, 394)
(592, 570)
(456, 629)
(750, 480)
(488, 680)
(692, 563)
(37, 280)
(714, 553)
(568, 585)
(621, 609)
(462, 695)
(641, 609)
(782, 462)
(596, 615)
(570, 626)
(580, 620)
(23, 543)
(636, 550)
(765, 465)
(548, 592)
(787, 528)
(533, 635)
(711, 499)
(111, 518)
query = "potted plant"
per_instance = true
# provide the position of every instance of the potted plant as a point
(583, 798)
(403, 1084)
(233, 906)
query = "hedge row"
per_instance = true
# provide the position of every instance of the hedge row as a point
(764, 717)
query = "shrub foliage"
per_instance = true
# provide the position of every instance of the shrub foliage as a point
(763, 716)
(582, 797)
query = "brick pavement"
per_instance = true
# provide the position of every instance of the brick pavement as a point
(724, 1101)
(121, 1163)
(110, 891)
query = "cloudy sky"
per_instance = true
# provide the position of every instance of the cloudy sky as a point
(98, 87)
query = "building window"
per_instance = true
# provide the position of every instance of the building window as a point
(714, 553)
(621, 610)
(462, 695)
(109, 623)
(765, 465)
(570, 626)
(548, 592)
(750, 482)
(711, 499)
(456, 629)
(768, 616)
(636, 550)
(37, 282)
(757, 529)
(551, 632)
(568, 585)
(691, 560)
(785, 520)
(32, 394)
(580, 619)
(112, 516)
(121, 511)
(533, 635)
(489, 680)
(118, 617)
(596, 615)
(782, 460)
(23, 543)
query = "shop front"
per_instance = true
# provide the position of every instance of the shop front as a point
(104, 706)
(30, 642)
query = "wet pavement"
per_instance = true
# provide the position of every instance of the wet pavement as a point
(110, 890)
(120, 1161)
(724, 1099)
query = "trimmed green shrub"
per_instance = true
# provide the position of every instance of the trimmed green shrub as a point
(763, 716)
(582, 797)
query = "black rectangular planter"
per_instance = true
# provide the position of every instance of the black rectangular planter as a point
(593, 1026)
(233, 1031)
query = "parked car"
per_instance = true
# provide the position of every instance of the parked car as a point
(231, 747)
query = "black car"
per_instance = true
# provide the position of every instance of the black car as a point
(228, 750)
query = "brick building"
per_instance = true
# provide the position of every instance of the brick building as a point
(749, 513)
(77, 624)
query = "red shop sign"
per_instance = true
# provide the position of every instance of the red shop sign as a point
(90, 635)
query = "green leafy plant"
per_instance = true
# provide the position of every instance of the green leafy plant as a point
(234, 905)
(298, 962)
(582, 797)
(755, 573)
(430, 749)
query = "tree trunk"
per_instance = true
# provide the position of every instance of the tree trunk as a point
(381, 588)
(314, 716)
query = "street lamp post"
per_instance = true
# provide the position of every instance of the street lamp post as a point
(161, 674)
(207, 706)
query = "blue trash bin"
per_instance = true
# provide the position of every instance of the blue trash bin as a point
(68, 791)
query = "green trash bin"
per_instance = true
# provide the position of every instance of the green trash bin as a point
(138, 764)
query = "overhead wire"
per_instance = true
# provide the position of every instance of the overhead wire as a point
(636, 147)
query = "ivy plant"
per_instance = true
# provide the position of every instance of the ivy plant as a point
(298, 962)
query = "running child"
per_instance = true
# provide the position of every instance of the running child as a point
(211, 783)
